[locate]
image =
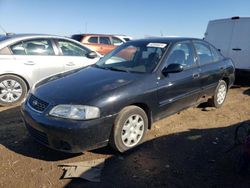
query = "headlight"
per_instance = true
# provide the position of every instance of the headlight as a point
(77, 112)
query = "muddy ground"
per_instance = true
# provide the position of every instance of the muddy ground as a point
(184, 150)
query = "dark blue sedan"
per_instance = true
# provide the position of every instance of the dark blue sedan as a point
(117, 100)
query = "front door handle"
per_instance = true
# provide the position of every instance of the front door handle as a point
(29, 63)
(196, 75)
(70, 64)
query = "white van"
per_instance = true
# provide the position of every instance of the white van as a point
(232, 37)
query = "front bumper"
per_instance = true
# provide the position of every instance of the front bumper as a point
(67, 135)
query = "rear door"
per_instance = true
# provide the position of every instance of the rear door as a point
(240, 45)
(73, 55)
(37, 58)
(179, 90)
(211, 66)
(92, 43)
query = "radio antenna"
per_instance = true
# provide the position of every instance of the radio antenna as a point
(3, 30)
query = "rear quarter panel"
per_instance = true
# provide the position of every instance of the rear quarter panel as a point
(8, 65)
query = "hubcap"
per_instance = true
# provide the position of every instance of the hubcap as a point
(132, 130)
(222, 91)
(10, 91)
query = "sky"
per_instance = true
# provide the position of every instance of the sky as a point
(137, 18)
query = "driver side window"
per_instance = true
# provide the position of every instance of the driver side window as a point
(70, 49)
(182, 53)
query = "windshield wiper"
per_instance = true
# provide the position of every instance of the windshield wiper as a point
(98, 66)
(109, 68)
(116, 69)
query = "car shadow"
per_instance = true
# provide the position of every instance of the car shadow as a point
(247, 92)
(194, 158)
(14, 136)
(242, 81)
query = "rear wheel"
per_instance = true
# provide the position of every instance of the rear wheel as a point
(220, 95)
(129, 130)
(12, 90)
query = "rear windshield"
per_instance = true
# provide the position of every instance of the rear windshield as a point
(3, 37)
(77, 37)
(126, 39)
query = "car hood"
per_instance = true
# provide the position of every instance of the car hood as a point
(81, 86)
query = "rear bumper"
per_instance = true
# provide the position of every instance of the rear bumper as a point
(67, 135)
(242, 72)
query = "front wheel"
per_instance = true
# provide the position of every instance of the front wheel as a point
(220, 95)
(129, 129)
(12, 90)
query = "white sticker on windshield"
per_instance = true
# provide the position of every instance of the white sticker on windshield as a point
(157, 45)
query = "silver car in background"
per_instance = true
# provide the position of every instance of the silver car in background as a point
(27, 58)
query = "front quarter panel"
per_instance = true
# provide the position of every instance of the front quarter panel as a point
(141, 92)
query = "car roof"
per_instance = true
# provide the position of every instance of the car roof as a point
(93, 34)
(13, 38)
(165, 39)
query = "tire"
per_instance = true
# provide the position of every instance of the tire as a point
(219, 96)
(242, 165)
(241, 134)
(125, 135)
(13, 90)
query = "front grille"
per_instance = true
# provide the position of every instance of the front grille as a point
(38, 135)
(37, 103)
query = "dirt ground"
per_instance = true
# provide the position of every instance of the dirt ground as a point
(184, 150)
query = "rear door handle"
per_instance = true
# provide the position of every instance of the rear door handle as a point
(236, 49)
(70, 64)
(196, 75)
(29, 63)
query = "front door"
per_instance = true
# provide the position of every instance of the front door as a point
(179, 90)
(73, 56)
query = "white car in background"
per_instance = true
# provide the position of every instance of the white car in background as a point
(124, 38)
(232, 37)
(28, 58)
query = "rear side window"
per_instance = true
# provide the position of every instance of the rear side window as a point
(33, 47)
(93, 40)
(204, 53)
(216, 54)
(71, 49)
(105, 40)
(5, 51)
(18, 49)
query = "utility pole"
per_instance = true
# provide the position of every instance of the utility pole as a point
(86, 27)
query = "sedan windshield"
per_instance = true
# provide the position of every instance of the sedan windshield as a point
(139, 57)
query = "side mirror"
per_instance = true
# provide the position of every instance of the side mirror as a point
(172, 68)
(91, 55)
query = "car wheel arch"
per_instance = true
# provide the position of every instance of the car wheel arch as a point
(146, 109)
(21, 77)
(226, 79)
